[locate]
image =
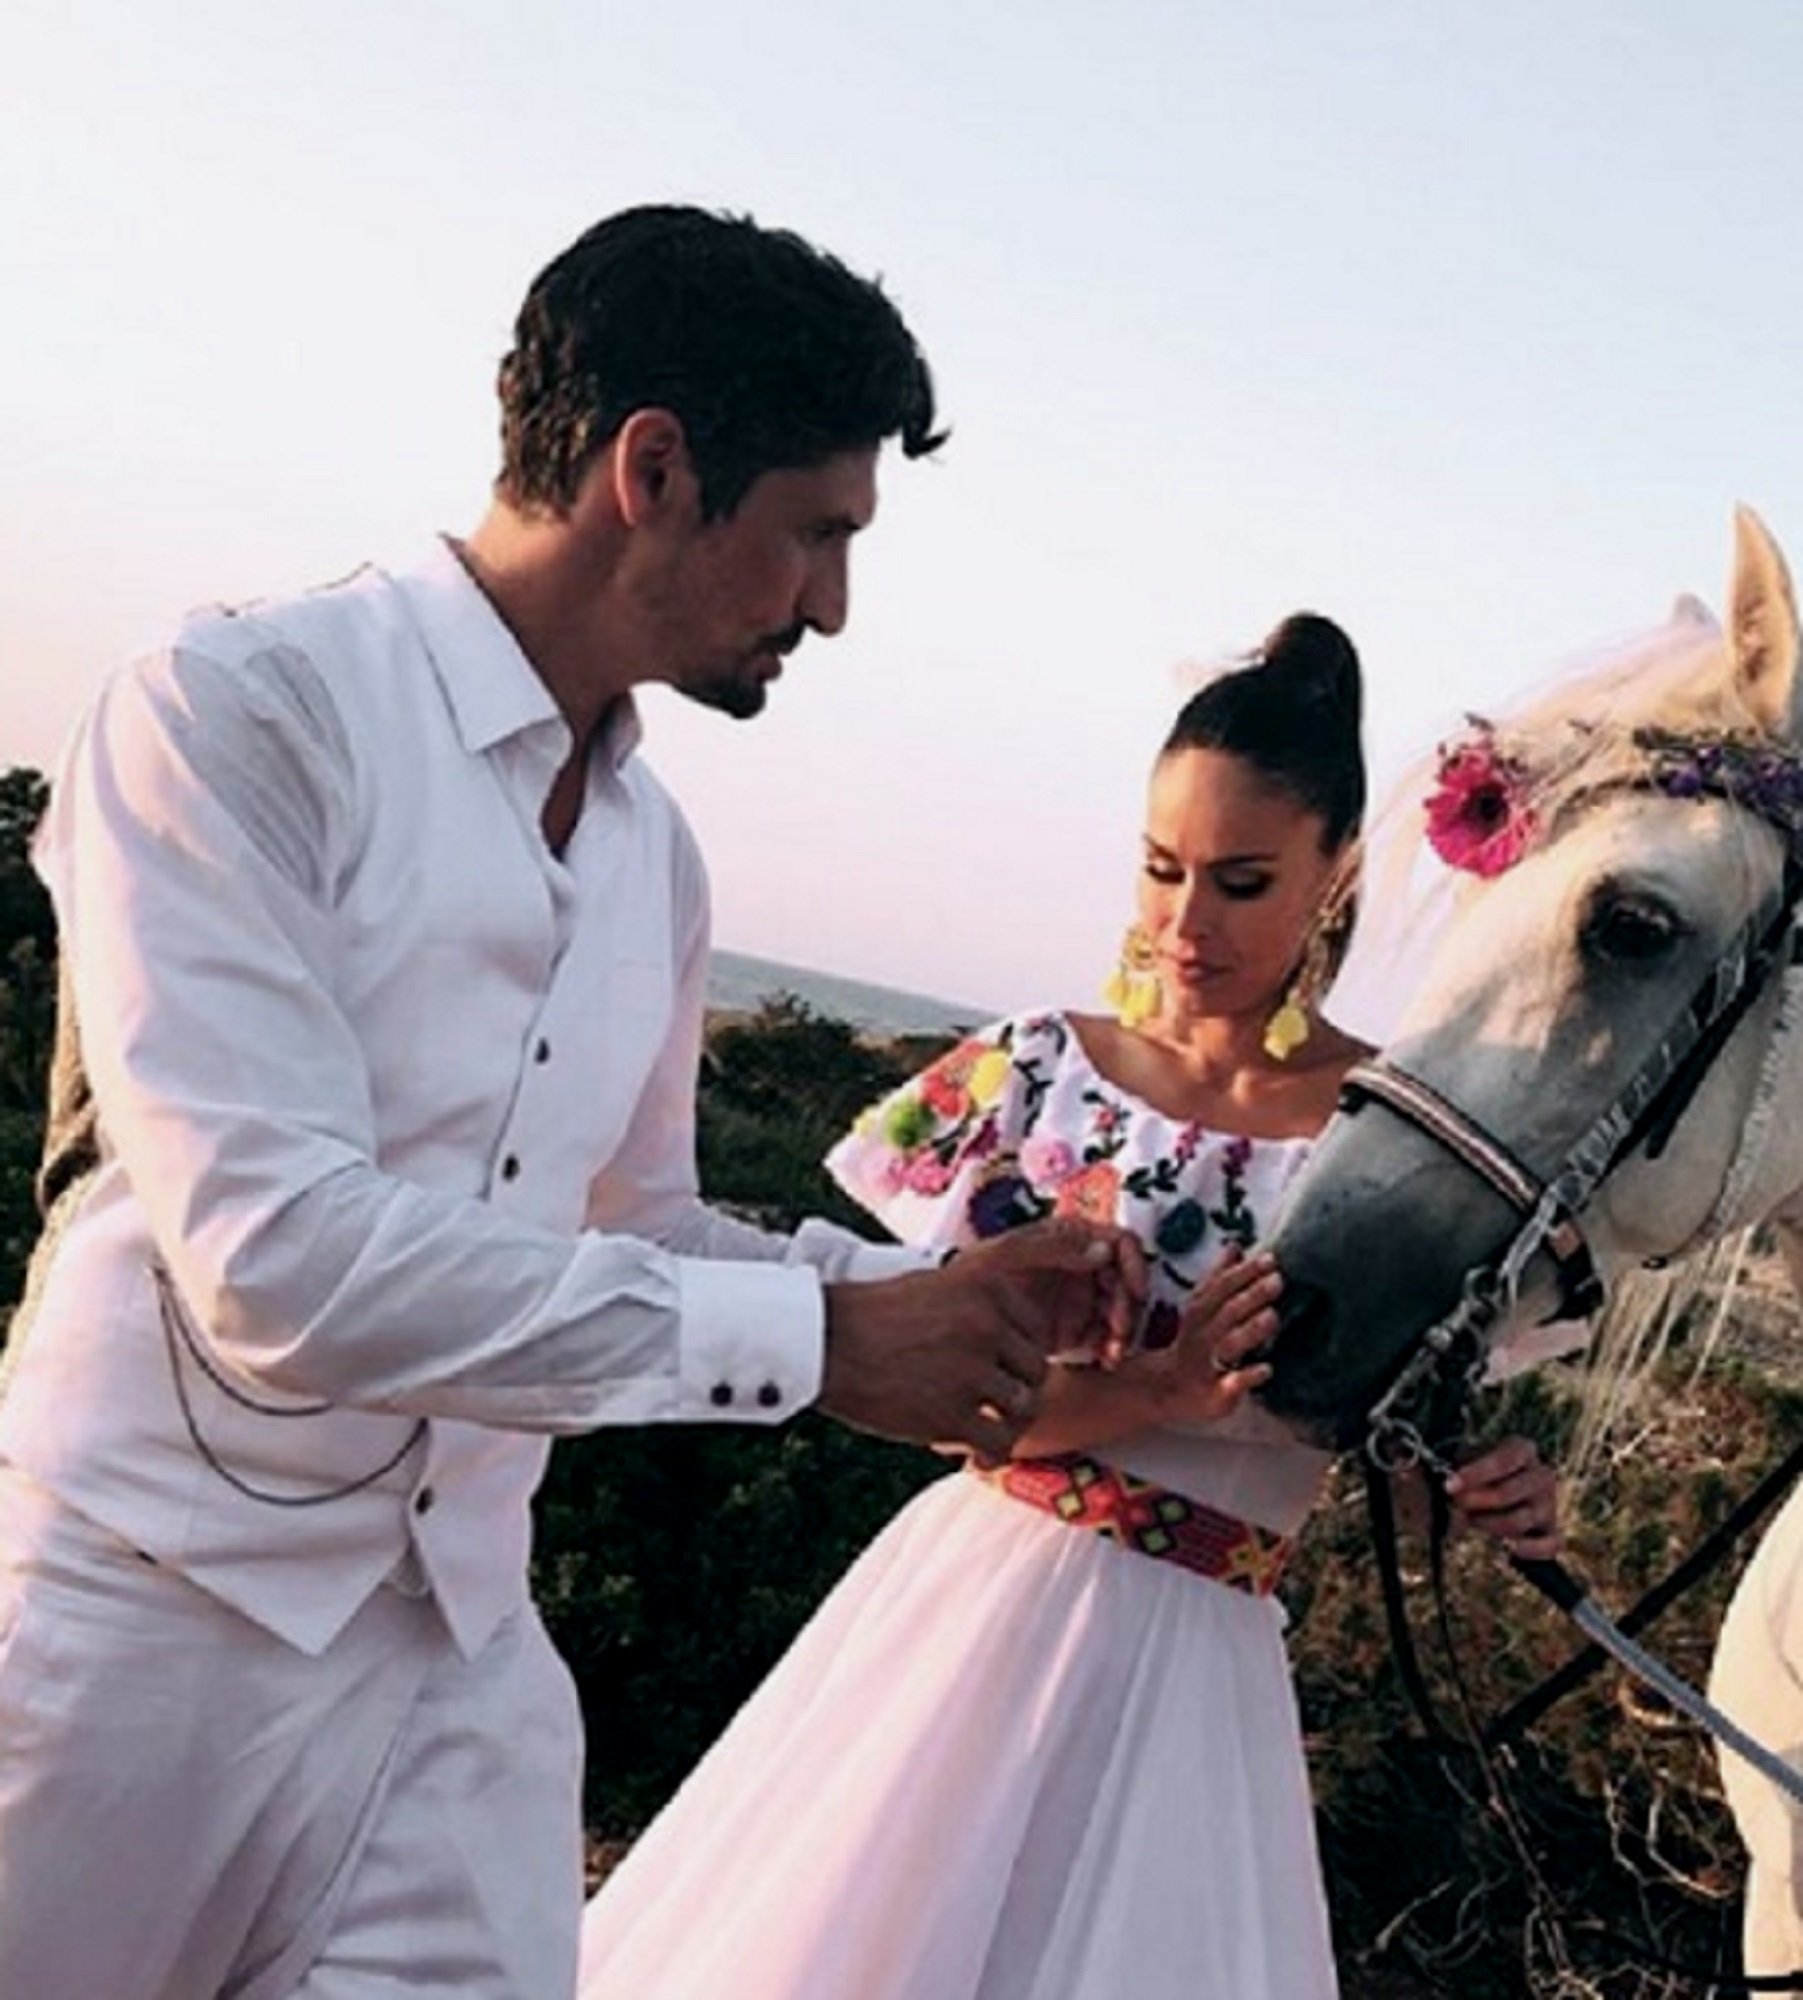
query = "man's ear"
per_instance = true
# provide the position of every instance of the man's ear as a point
(652, 475)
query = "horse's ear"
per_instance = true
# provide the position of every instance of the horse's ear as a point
(1762, 629)
(1689, 610)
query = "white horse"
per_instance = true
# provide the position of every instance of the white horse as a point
(1619, 853)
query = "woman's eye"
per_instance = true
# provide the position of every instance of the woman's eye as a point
(1162, 871)
(1242, 888)
(1630, 930)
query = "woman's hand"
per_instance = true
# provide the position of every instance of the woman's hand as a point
(1510, 1494)
(1208, 1370)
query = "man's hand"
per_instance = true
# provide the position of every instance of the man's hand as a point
(957, 1356)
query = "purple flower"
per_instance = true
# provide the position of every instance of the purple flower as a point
(999, 1205)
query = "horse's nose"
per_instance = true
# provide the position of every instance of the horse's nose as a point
(1298, 1393)
(1304, 1325)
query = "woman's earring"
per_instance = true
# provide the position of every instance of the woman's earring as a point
(1288, 1027)
(1132, 989)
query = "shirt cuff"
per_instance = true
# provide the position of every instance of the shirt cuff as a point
(873, 1261)
(753, 1342)
(844, 1258)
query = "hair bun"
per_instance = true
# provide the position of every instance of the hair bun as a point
(1324, 664)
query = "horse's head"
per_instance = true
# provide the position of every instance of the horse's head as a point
(1619, 844)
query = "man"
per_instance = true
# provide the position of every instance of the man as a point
(372, 1168)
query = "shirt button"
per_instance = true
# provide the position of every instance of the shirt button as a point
(769, 1395)
(510, 1167)
(424, 1500)
(720, 1395)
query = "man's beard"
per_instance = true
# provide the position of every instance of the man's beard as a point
(742, 690)
(741, 697)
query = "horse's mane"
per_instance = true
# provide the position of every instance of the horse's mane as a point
(1576, 733)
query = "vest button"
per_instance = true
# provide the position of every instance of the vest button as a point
(510, 1167)
(720, 1395)
(424, 1500)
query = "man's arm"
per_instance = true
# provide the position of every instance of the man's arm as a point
(196, 842)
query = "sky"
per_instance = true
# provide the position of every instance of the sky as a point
(1465, 322)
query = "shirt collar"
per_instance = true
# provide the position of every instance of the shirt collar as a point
(492, 687)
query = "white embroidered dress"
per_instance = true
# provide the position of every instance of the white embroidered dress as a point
(1010, 1759)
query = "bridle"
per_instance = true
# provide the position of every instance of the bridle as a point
(1423, 1405)
(1421, 1411)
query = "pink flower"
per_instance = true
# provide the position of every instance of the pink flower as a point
(884, 1173)
(1478, 815)
(1047, 1161)
(927, 1175)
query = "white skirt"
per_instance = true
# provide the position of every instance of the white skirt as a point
(1006, 1760)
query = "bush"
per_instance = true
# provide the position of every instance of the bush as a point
(27, 1013)
(1615, 1798)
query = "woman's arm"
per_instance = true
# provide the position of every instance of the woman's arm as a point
(1510, 1494)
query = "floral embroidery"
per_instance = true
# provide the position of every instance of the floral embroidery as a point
(989, 1076)
(945, 1086)
(1478, 815)
(1015, 1125)
(1181, 1228)
(1046, 1160)
(1233, 1217)
(1160, 1176)
(983, 1142)
(1108, 1126)
(909, 1123)
(1003, 1202)
(927, 1174)
(1090, 1193)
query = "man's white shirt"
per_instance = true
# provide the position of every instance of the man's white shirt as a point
(396, 1103)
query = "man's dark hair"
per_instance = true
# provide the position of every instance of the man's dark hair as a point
(770, 352)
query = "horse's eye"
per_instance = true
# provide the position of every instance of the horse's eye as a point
(1629, 930)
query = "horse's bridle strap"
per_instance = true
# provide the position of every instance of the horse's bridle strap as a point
(1443, 1122)
(1380, 1081)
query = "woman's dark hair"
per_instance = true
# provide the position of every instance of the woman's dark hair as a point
(1292, 712)
(771, 353)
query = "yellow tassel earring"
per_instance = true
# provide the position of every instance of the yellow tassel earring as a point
(1288, 1028)
(1132, 989)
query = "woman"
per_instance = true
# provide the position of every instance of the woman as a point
(1012, 1757)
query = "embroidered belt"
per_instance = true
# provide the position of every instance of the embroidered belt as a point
(1151, 1519)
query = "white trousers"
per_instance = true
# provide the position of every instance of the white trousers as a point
(191, 1810)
